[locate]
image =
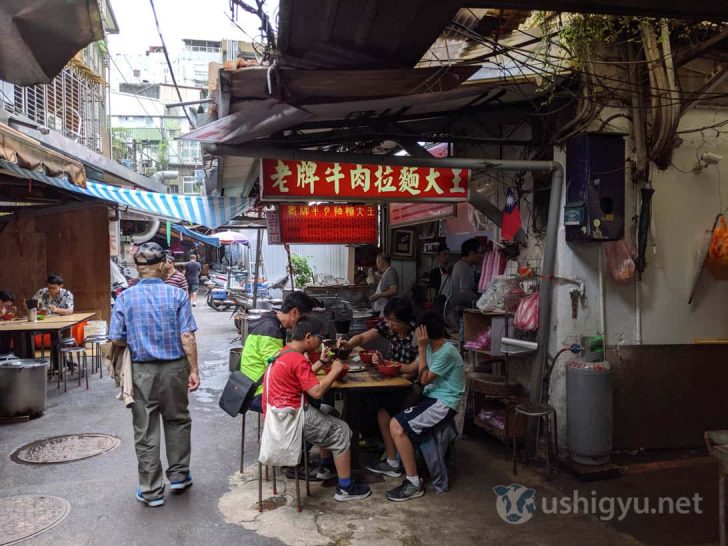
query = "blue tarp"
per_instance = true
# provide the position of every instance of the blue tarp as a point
(214, 241)
(210, 212)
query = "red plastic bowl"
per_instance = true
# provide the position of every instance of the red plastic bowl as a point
(366, 356)
(389, 368)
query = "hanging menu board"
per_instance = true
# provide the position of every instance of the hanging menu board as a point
(332, 223)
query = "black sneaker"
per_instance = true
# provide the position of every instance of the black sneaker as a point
(406, 491)
(384, 468)
(355, 491)
(290, 474)
(325, 473)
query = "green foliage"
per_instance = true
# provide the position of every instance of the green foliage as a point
(582, 35)
(302, 272)
(163, 154)
(119, 146)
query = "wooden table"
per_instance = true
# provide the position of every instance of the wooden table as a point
(52, 324)
(354, 388)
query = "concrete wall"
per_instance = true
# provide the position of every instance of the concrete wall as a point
(653, 312)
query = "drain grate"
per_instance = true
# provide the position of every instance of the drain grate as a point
(65, 449)
(26, 516)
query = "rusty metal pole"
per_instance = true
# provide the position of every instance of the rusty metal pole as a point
(290, 268)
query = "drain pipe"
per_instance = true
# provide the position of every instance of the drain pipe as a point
(161, 176)
(148, 235)
(549, 259)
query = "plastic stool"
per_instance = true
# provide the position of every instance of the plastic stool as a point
(546, 414)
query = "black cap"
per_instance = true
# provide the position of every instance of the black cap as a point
(149, 254)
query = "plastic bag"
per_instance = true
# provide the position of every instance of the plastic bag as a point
(494, 295)
(526, 317)
(716, 261)
(480, 344)
(620, 261)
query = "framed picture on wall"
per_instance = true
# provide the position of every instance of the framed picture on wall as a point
(403, 244)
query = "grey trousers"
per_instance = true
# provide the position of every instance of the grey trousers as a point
(160, 390)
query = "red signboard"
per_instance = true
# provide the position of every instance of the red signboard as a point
(409, 214)
(328, 224)
(300, 180)
(274, 227)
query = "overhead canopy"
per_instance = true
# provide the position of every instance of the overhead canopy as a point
(15, 147)
(256, 119)
(207, 211)
(40, 37)
(213, 241)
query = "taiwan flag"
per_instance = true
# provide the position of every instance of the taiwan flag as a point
(511, 217)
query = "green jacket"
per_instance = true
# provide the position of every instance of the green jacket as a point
(266, 337)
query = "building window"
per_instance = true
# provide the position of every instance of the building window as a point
(190, 185)
(137, 73)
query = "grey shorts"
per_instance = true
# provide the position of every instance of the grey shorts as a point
(326, 431)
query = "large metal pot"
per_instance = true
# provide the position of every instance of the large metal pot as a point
(22, 387)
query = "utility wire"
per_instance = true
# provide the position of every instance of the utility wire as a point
(169, 63)
(539, 66)
(113, 61)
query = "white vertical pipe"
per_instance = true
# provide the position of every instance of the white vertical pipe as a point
(602, 294)
(638, 314)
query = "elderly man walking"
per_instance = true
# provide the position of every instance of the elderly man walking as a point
(155, 321)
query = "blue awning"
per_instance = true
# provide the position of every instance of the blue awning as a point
(210, 212)
(214, 241)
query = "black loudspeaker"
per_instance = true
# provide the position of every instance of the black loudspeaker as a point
(595, 169)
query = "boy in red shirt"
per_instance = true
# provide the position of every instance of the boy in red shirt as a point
(289, 376)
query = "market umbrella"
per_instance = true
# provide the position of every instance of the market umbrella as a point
(40, 36)
(230, 237)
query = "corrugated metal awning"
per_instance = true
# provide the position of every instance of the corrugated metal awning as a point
(210, 212)
(27, 153)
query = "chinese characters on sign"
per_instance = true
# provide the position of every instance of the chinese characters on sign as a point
(332, 223)
(274, 227)
(286, 180)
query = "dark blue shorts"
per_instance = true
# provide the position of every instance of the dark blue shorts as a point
(418, 420)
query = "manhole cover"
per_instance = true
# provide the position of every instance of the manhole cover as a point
(25, 516)
(64, 449)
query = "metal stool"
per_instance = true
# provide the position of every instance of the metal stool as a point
(70, 352)
(95, 342)
(545, 413)
(242, 442)
(295, 474)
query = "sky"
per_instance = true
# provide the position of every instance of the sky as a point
(178, 19)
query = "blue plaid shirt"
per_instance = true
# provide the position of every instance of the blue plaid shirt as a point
(151, 316)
